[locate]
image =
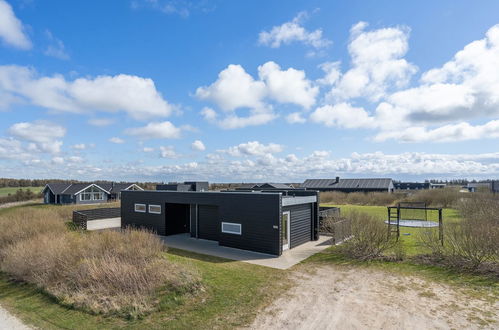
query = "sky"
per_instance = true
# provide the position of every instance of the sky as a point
(249, 91)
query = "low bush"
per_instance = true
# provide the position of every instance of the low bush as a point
(446, 197)
(106, 272)
(20, 195)
(360, 198)
(473, 241)
(339, 228)
(369, 237)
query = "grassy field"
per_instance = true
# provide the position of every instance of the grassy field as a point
(233, 293)
(12, 190)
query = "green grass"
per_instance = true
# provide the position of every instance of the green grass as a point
(12, 190)
(408, 236)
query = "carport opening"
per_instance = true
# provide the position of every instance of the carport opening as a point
(177, 219)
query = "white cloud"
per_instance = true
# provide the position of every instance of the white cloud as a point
(293, 31)
(466, 87)
(116, 140)
(12, 31)
(156, 130)
(288, 86)
(44, 135)
(332, 73)
(168, 152)
(134, 95)
(234, 89)
(253, 148)
(447, 133)
(148, 149)
(343, 115)
(377, 64)
(198, 145)
(56, 47)
(11, 148)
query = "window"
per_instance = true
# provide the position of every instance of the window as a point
(92, 194)
(140, 208)
(231, 228)
(156, 209)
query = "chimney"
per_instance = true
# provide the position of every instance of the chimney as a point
(337, 179)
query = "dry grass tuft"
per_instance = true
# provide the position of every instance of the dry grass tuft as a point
(104, 272)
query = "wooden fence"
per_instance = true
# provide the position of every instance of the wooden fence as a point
(81, 217)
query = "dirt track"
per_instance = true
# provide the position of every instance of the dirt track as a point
(336, 297)
(9, 322)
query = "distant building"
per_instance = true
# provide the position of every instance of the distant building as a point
(492, 186)
(185, 186)
(85, 193)
(437, 185)
(349, 185)
(263, 186)
(411, 185)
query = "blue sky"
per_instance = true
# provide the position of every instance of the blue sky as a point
(249, 90)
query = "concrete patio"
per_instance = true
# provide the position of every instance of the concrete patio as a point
(288, 259)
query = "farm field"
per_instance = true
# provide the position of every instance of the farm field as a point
(12, 190)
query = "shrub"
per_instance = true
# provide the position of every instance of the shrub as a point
(339, 228)
(446, 197)
(106, 272)
(473, 241)
(369, 237)
(360, 198)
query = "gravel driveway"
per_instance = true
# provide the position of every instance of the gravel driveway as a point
(9, 322)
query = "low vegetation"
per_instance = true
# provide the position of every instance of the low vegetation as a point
(369, 237)
(108, 272)
(9, 195)
(446, 197)
(472, 243)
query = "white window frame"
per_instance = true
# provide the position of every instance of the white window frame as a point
(153, 212)
(140, 211)
(232, 232)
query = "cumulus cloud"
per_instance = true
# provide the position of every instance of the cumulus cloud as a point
(293, 31)
(288, 86)
(45, 136)
(253, 148)
(156, 130)
(236, 89)
(198, 145)
(12, 31)
(447, 133)
(343, 115)
(116, 140)
(466, 87)
(377, 64)
(134, 95)
(233, 89)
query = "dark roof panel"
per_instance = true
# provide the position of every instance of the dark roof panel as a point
(382, 183)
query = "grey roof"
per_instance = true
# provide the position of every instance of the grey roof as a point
(58, 188)
(71, 189)
(274, 185)
(383, 183)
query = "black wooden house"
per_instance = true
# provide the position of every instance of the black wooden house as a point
(267, 222)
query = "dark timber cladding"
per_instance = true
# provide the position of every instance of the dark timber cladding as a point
(251, 220)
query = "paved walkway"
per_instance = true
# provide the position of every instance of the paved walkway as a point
(288, 259)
